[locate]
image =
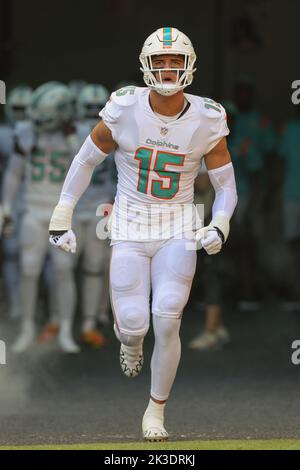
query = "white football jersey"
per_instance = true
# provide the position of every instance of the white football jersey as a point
(102, 188)
(158, 161)
(48, 157)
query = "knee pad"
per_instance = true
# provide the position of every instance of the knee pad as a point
(173, 291)
(171, 300)
(132, 315)
(130, 304)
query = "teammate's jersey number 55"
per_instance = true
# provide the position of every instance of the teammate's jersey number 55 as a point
(57, 161)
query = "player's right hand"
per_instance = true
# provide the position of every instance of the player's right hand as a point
(64, 240)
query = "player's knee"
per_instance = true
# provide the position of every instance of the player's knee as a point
(171, 301)
(133, 320)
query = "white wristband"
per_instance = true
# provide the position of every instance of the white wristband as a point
(61, 219)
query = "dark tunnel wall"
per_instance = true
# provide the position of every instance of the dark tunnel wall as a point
(99, 41)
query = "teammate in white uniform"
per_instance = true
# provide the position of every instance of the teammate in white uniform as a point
(160, 136)
(43, 152)
(16, 108)
(94, 251)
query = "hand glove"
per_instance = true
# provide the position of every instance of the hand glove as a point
(66, 241)
(210, 240)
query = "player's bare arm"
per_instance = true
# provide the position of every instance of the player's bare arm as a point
(218, 156)
(101, 136)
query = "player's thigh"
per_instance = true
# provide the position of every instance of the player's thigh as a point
(33, 244)
(172, 272)
(63, 262)
(130, 287)
(96, 251)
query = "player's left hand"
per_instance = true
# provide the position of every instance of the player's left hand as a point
(210, 240)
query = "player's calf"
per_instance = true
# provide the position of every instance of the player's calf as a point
(131, 353)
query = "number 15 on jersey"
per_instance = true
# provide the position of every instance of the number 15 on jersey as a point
(168, 185)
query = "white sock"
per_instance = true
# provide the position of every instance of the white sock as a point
(66, 328)
(156, 409)
(153, 422)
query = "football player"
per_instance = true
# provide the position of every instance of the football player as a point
(159, 134)
(93, 251)
(16, 111)
(43, 150)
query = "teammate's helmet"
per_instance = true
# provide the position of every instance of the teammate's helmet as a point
(167, 41)
(91, 100)
(76, 86)
(51, 106)
(17, 104)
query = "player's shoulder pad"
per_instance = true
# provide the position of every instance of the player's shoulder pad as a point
(126, 96)
(211, 109)
(24, 137)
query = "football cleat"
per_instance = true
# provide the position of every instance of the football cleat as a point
(93, 338)
(153, 428)
(49, 333)
(131, 359)
(210, 340)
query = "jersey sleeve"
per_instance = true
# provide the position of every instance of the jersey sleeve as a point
(111, 116)
(115, 108)
(216, 122)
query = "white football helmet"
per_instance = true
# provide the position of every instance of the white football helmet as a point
(18, 101)
(167, 41)
(51, 106)
(75, 86)
(91, 100)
